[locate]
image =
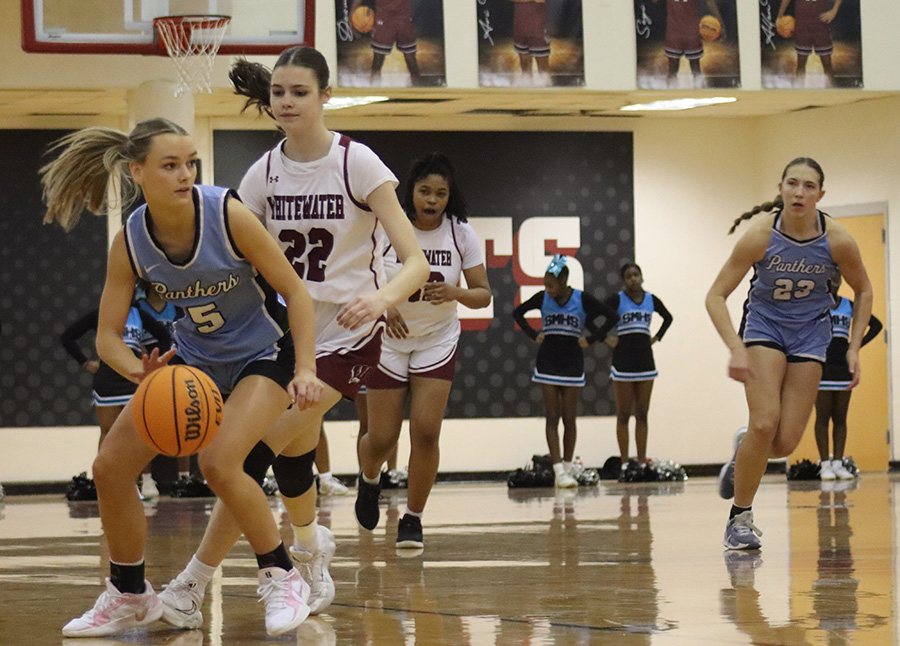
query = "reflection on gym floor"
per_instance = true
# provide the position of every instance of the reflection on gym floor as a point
(624, 564)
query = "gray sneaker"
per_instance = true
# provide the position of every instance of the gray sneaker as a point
(726, 480)
(726, 475)
(741, 533)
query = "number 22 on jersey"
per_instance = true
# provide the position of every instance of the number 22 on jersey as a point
(316, 246)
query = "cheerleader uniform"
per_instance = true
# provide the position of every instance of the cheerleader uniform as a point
(111, 388)
(836, 373)
(167, 317)
(560, 360)
(633, 357)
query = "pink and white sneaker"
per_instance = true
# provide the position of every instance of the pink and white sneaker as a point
(285, 595)
(116, 611)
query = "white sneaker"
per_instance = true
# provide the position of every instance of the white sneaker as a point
(840, 471)
(181, 600)
(563, 480)
(332, 487)
(116, 611)
(826, 470)
(285, 595)
(148, 489)
(313, 567)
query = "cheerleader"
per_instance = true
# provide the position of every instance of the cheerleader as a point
(633, 368)
(559, 367)
(833, 399)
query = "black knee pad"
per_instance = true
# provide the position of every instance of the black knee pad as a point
(295, 475)
(258, 462)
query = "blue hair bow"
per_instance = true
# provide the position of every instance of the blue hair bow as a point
(557, 265)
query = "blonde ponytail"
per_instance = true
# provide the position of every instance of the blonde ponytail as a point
(78, 178)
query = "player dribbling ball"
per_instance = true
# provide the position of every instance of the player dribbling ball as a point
(177, 410)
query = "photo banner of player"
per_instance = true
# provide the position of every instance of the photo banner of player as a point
(530, 43)
(390, 43)
(530, 195)
(810, 43)
(687, 44)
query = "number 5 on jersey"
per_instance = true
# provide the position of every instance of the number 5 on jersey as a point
(206, 318)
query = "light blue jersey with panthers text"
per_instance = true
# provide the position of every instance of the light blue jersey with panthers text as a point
(791, 283)
(231, 314)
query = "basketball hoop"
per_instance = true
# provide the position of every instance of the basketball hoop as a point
(192, 43)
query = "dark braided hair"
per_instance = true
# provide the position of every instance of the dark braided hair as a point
(254, 81)
(435, 164)
(778, 202)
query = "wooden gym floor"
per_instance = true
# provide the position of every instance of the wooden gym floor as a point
(623, 564)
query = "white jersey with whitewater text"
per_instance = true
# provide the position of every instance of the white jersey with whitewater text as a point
(450, 249)
(317, 213)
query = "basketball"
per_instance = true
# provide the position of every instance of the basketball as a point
(710, 28)
(177, 410)
(785, 26)
(363, 19)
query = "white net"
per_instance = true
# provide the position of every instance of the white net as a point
(192, 43)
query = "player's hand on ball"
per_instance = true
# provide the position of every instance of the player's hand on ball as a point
(153, 361)
(582, 342)
(396, 326)
(361, 310)
(305, 389)
(539, 338)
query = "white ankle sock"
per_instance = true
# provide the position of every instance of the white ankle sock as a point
(202, 572)
(306, 536)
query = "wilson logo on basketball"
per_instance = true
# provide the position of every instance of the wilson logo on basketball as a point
(177, 410)
(193, 414)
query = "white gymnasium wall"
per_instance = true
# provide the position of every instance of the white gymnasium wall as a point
(692, 177)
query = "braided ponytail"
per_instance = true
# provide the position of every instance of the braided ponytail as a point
(765, 207)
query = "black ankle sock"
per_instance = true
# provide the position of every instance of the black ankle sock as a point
(276, 558)
(735, 510)
(127, 578)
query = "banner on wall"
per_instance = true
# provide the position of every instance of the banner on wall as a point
(810, 43)
(530, 195)
(687, 44)
(390, 43)
(52, 279)
(530, 43)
